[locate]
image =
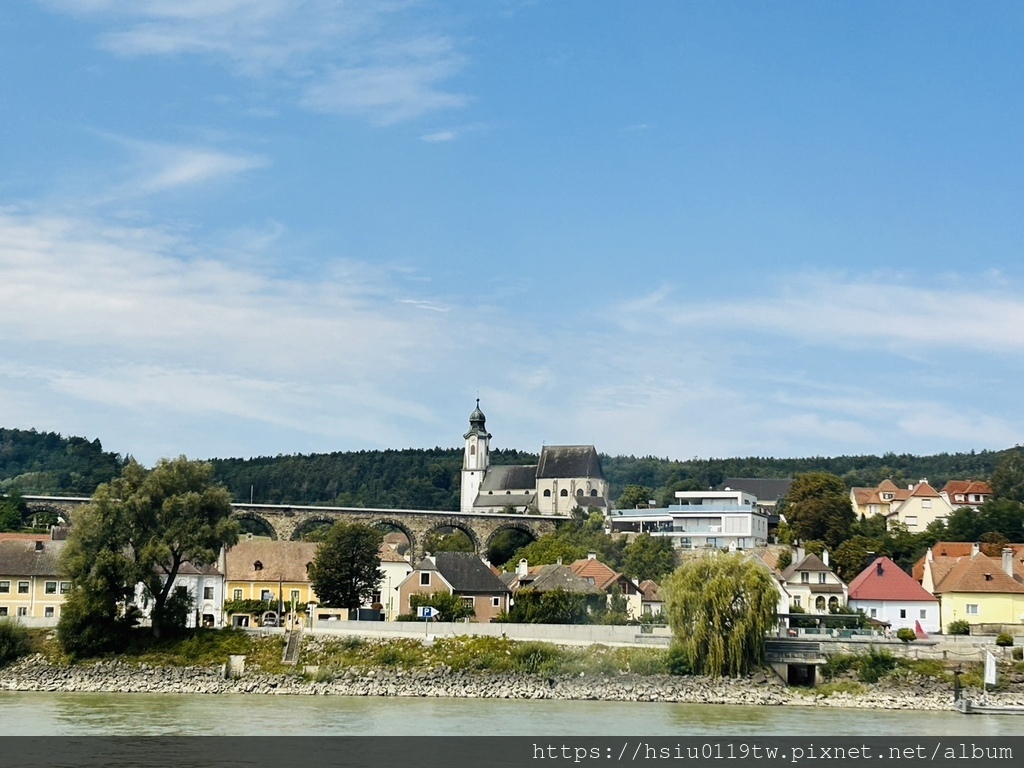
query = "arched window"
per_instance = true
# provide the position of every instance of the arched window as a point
(833, 602)
(472, 449)
(579, 492)
(547, 492)
(819, 604)
(563, 493)
(593, 491)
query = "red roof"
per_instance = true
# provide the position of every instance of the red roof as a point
(884, 580)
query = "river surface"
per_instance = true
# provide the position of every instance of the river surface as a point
(123, 714)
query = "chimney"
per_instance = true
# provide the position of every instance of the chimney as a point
(878, 567)
(799, 556)
(522, 569)
(824, 557)
(975, 549)
(591, 555)
(1008, 561)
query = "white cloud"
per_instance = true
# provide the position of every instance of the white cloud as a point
(378, 60)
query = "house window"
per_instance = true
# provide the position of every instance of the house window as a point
(65, 587)
(22, 587)
(468, 602)
(237, 594)
(181, 592)
(266, 595)
(958, 497)
(796, 601)
(972, 609)
(48, 612)
(821, 578)
(425, 579)
(496, 602)
(50, 588)
(295, 597)
(805, 577)
(819, 603)
(926, 503)
(874, 613)
(23, 610)
(924, 613)
(911, 521)
(903, 613)
(5, 587)
(3, 610)
(207, 593)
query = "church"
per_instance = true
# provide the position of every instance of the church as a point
(566, 477)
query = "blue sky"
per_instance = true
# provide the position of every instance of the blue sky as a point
(251, 227)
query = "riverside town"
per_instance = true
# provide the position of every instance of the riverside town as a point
(554, 578)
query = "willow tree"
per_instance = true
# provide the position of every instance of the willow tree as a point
(720, 607)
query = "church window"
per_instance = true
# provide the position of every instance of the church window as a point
(547, 492)
(563, 493)
(508, 493)
(472, 450)
(593, 491)
(579, 491)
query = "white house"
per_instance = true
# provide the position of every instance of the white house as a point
(701, 519)
(395, 569)
(885, 592)
(205, 585)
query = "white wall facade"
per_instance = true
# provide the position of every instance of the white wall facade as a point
(902, 614)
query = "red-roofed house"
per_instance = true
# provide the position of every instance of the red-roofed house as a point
(887, 593)
(966, 493)
(977, 588)
(915, 507)
(606, 579)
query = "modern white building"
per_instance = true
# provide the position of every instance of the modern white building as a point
(701, 520)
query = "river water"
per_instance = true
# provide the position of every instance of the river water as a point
(39, 714)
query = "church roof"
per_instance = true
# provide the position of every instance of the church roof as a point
(557, 461)
(509, 477)
(499, 500)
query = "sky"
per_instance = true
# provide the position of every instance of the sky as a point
(234, 228)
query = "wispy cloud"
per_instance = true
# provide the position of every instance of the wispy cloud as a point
(381, 61)
(159, 167)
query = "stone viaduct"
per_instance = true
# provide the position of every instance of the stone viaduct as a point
(286, 521)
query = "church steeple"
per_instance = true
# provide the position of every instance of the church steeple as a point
(475, 458)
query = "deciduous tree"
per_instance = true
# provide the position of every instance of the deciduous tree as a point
(649, 557)
(720, 607)
(818, 507)
(346, 569)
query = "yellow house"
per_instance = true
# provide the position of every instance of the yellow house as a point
(274, 572)
(976, 588)
(30, 585)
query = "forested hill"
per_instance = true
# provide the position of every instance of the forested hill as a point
(47, 463)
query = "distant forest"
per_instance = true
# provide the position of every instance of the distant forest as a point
(45, 463)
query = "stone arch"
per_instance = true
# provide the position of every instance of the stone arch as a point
(310, 522)
(453, 522)
(250, 515)
(386, 523)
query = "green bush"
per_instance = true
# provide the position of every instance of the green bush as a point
(874, 665)
(959, 627)
(677, 661)
(906, 634)
(1017, 654)
(536, 658)
(13, 641)
(837, 664)
(1004, 640)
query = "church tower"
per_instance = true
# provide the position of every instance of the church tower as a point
(475, 458)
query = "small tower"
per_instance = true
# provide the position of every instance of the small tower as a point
(475, 458)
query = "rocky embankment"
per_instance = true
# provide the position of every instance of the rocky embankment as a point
(34, 674)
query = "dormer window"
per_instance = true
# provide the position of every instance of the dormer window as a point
(887, 497)
(257, 566)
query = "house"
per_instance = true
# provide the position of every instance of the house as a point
(916, 506)
(458, 573)
(767, 490)
(977, 588)
(652, 603)
(31, 586)
(949, 551)
(966, 493)
(886, 593)
(610, 581)
(395, 569)
(565, 477)
(700, 520)
(273, 572)
(812, 584)
(527, 581)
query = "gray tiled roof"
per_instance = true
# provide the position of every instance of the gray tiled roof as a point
(509, 477)
(569, 461)
(767, 490)
(21, 558)
(499, 500)
(466, 573)
(549, 578)
(811, 563)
